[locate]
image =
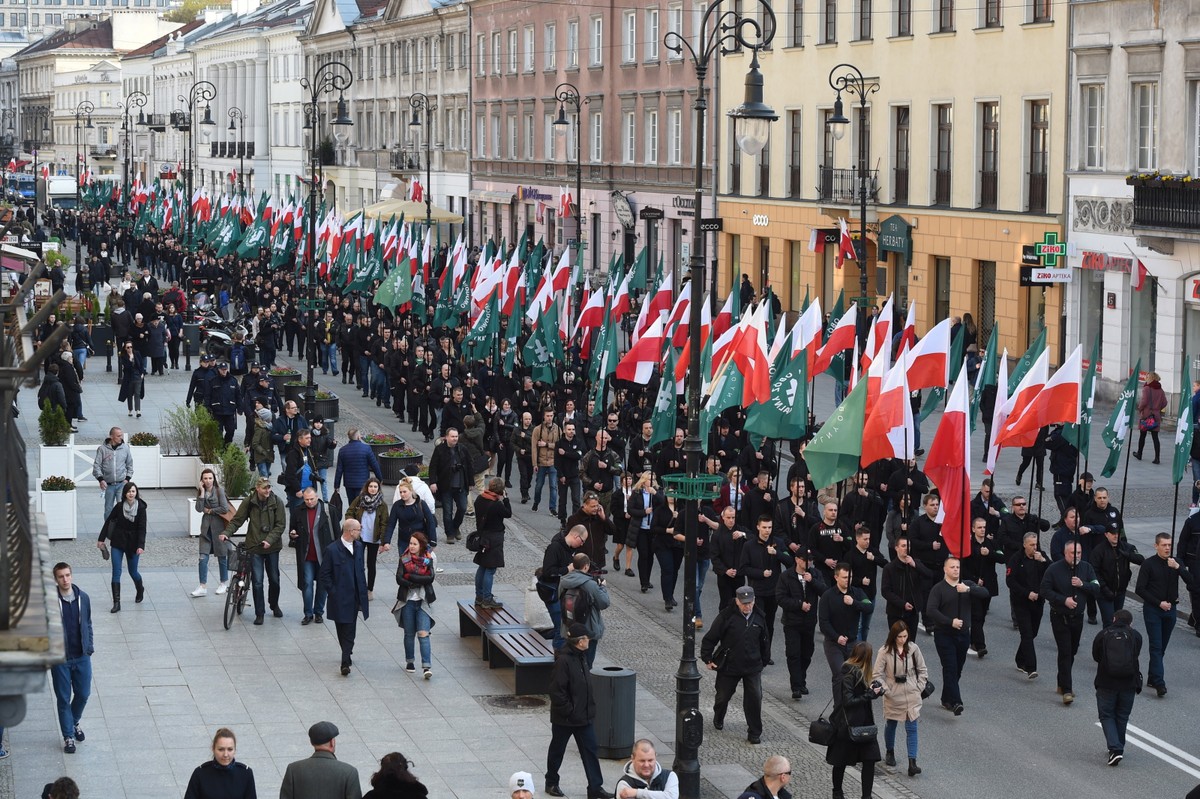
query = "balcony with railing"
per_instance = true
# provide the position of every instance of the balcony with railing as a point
(676, 177)
(989, 183)
(231, 149)
(941, 187)
(842, 186)
(1038, 182)
(407, 160)
(1170, 206)
(103, 151)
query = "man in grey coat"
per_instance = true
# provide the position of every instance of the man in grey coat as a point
(321, 776)
(113, 467)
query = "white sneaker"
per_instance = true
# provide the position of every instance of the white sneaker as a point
(200, 591)
(222, 588)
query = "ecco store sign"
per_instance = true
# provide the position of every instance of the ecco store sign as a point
(760, 220)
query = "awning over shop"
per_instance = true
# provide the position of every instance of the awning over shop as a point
(413, 212)
(502, 197)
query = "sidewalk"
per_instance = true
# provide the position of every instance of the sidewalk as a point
(167, 675)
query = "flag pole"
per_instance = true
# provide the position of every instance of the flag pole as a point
(1125, 477)
(1174, 515)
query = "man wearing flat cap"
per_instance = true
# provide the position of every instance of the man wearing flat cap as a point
(736, 648)
(321, 776)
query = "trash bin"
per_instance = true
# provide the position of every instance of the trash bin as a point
(615, 689)
(191, 333)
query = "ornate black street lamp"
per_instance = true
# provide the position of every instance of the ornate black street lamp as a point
(419, 102)
(83, 111)
(851, 81)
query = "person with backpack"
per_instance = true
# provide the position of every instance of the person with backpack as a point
(581, 598)
(1116, 650)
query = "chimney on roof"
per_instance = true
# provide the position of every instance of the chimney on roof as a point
(240, 7)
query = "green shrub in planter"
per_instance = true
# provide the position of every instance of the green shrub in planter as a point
(53, 426)
(233, 470)
(143, 440)
(58, 483)
(211, 440)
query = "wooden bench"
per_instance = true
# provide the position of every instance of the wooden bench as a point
(530, 655)
(473, 620)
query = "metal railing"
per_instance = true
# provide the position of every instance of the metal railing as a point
(988, 186)
(1038, 182)
(941, 186)
(844, 185)
(1169, 207)
(900, 186)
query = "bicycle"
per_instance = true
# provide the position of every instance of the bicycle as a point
(239, 587)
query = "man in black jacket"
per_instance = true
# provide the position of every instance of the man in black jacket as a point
(762, 559)
(865, 561)
(1064, 585)
(948, 608)
(798, 593)
(1111, 560)
(1117, 650)
(572, 711)
(1014, 526)
(740, 633)
(838, 614)
(727, 542)
(901, 586)
(1024, 579)
(567, 455)
(556, 562)
(1158, 586)
(979, 566)
(450, 476)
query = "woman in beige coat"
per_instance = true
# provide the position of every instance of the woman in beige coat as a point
(901, 667)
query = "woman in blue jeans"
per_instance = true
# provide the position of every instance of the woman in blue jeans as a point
(901, 668)
(415, 578)
(125, 527)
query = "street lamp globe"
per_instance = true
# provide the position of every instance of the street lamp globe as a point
(561, 124)
(839, 121)
(753, 118)
(207, 126)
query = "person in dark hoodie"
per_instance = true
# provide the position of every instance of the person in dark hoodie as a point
(572, 711)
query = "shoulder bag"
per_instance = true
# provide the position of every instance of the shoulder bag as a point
(821, 731)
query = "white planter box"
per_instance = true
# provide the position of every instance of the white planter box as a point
(56, 461)
(146, 472)
(61, 512)
(176, 471)
(195, 518)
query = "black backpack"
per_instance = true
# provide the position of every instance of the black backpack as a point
(576, 605)
(1119, 654)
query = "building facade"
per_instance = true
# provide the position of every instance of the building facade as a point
(1136, 83)
(964, 159)
(632, 133)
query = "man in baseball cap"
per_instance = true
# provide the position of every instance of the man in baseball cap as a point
(736, 648)
(321, 776)
(521, 786)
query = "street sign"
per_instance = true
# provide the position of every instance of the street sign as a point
(1050, 249)
(1029, 255)
(651, 213)
(1039, 276)
(711, 224)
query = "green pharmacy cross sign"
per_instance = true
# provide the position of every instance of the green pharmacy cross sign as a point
(1050, 249)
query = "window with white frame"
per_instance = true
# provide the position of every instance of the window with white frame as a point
(549, 44)
(652, 35)
(496, 151)
(512, 137)
(797, 26)
(573, 44)
(675, 25)
(528, 137)
(481, 46)
(629, 37)
(420, 55)
(435, 53)
(547, 137)
(464, 130)
(675, 136)
(862, 21)
(462, 51)
(529, 50)
(597, 42)
(1195, 170)
(628, 137)
(512, 51)
(596, 138)
(496, 61)
(481, 135)
(1091, 98)
(1145, 125)
(651, 130)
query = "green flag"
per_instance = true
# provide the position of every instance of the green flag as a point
(837, 367)
(1116, 433)
(484, 330)
(785, 416)
(1080, 434)
(608, 361)
(834, 453)
(1026, 363)
(987, 372)
(726, 393)
(544, 348)
(1183, 428)
(665, 404)
(370, 269)
(641, 269)
(938, 394)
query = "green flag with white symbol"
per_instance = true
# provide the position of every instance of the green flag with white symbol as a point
(1183, 429)
(785, 415)
(665, 403)
(1116, 433)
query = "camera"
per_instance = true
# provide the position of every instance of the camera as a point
(902, 678)
(876, 685)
